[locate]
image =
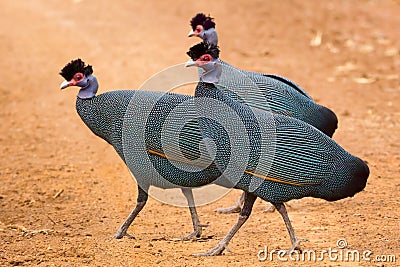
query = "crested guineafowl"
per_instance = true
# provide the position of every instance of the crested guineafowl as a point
(204, 27)
(306, 163)
(105, 114)
(280, 94)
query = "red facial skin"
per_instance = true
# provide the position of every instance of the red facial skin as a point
(78, 77)
(198, 30)
(203, 60)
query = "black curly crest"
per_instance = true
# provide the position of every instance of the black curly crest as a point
(196, 51)
(201, 19)
(75, 66)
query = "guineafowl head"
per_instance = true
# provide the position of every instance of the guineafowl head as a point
(77, 73)
(200, 23)
(206, 57)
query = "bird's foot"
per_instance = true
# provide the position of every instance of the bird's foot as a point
(214, 251)
(269, 209)
(193, 235)
(296, 245)
(120, 235)
(233, 209)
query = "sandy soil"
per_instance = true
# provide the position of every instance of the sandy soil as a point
(65, 192)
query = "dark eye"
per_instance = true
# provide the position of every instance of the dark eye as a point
(206, 58)
(78, 77)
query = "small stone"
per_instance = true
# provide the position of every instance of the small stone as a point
(364, 80)
(390, 52)
(366, 48)
(316, 40)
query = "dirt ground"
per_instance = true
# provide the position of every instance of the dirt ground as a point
(65, 192)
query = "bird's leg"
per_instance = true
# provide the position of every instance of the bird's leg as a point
(280, 207)
(188, 193)
(233, 209)
(272, 208)
(243, 216)
(141, 201)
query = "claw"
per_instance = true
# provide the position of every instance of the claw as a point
(130, 236)
(214, 251)
(118, 236)
(121, 235)
(193, 235)
(296, 245)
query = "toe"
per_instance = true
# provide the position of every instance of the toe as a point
(234, 209)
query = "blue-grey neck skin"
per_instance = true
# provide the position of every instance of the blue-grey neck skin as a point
(211, 72)
(89, 87)
(209, 36)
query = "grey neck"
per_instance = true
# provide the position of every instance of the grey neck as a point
(209, 36)
(89, 88)
(211, 72)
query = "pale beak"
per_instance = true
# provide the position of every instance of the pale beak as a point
(190, 63)
(65, 84)
(191, 33)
